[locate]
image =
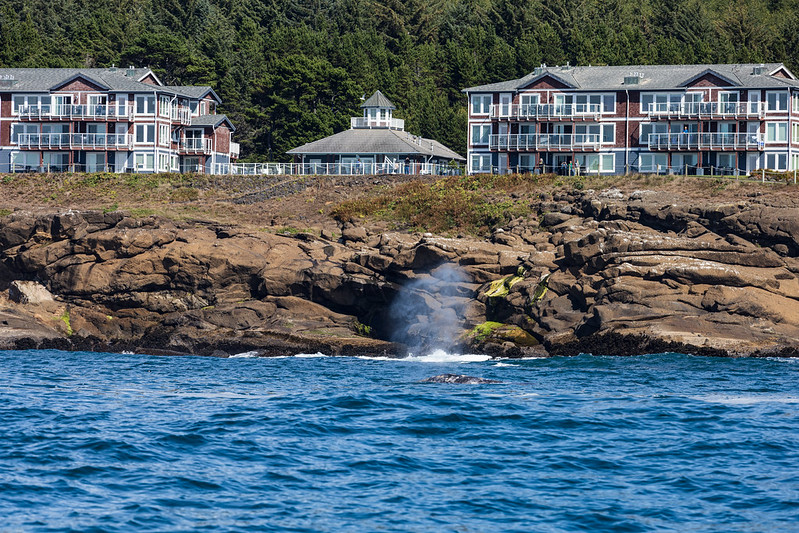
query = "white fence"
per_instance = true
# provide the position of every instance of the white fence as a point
(336, 169)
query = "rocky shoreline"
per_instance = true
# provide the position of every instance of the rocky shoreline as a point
(603, 272)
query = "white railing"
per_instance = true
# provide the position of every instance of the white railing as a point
(100, 112)
(544, 141)
(369, 122)
(345, 169)
(705, 109)
(235, 150)
(199, 145)
(545, 111)
(74, 141)
(705, 141)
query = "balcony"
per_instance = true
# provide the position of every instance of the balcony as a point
(98, 113)
(705, 141)
(706, 110)
(545, 142)
(371, 123)
(196, 146)
(546, 111)
(75, 141)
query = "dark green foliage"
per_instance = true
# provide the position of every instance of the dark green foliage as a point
(291, 71)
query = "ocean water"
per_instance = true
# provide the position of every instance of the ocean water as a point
(117, 442)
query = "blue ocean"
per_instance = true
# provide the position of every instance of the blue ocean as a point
(95, 442)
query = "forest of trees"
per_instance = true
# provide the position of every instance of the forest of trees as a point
(291, 71)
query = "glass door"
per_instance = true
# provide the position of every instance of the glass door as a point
(63, 105)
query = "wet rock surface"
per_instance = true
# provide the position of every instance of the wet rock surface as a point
(592, 271)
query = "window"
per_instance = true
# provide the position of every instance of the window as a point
(660, 102)
(481, 162)
(30, 104)
(795, 162)
(776, 101)
(609, 103)
(795, 101)
(653, 163)
(28, 130)
(163, 107)
(648, 129)
(145, 105)
(145, 133)
(194, 106)
(163, 162)
(26, 161)
(144, 161)
(481, 104)
(480, 133)
(163, 135)
(175, 163)
(795, 134)
(777, 161)
(776, 132)
(607, 162)
(529, 105)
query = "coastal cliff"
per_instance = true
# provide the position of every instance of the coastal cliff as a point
(597, 271)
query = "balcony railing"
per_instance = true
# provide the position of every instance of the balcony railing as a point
(705, 110)
(368, 123)
(196, 146)
(545, 111)
(705, 141)
(339, 169)
(75, 141)
(545, 142)
(99, 113)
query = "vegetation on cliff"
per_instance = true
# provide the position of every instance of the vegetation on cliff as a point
(291, 71)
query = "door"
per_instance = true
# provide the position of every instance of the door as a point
(98, 105)
(122, 105)
(754, 103)
(505, 105)
(728, 102)
(95, 161)
(63, 105)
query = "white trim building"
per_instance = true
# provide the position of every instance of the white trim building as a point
(647, 118)
(109, 119)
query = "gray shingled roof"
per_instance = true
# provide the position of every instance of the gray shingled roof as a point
(192, 91)
(44, 79)
(376, 141)
(211, 120)
(655, 77)
(378, 99)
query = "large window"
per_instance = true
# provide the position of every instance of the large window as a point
(776, 101)
(29, 129)
(163, 135)
(660, 102)
(145, 105)
(145, 133)
(30, 103)
(481, 104)
(592, 163)
(777, 161)
(795, 133)
(651, 128)
(481, 134)
(144, 161)
(481, 162)
(163, 108)
(795, 100)
(776, 132)
(653, 163)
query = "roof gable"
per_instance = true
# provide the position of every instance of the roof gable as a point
(710, 78)
(81, 79)
(782, 72)
(548, 80)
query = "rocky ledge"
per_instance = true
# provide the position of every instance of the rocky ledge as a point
(599, 272)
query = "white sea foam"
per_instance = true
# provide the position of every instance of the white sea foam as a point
(441, 356)
(310, 355)
(243, 355)
(504, 364)
(746, 400)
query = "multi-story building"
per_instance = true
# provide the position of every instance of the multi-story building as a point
(109, 119)
(651, 118)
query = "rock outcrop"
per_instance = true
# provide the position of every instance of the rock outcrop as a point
(600, 272)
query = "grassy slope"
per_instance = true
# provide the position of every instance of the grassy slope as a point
(457, 204)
